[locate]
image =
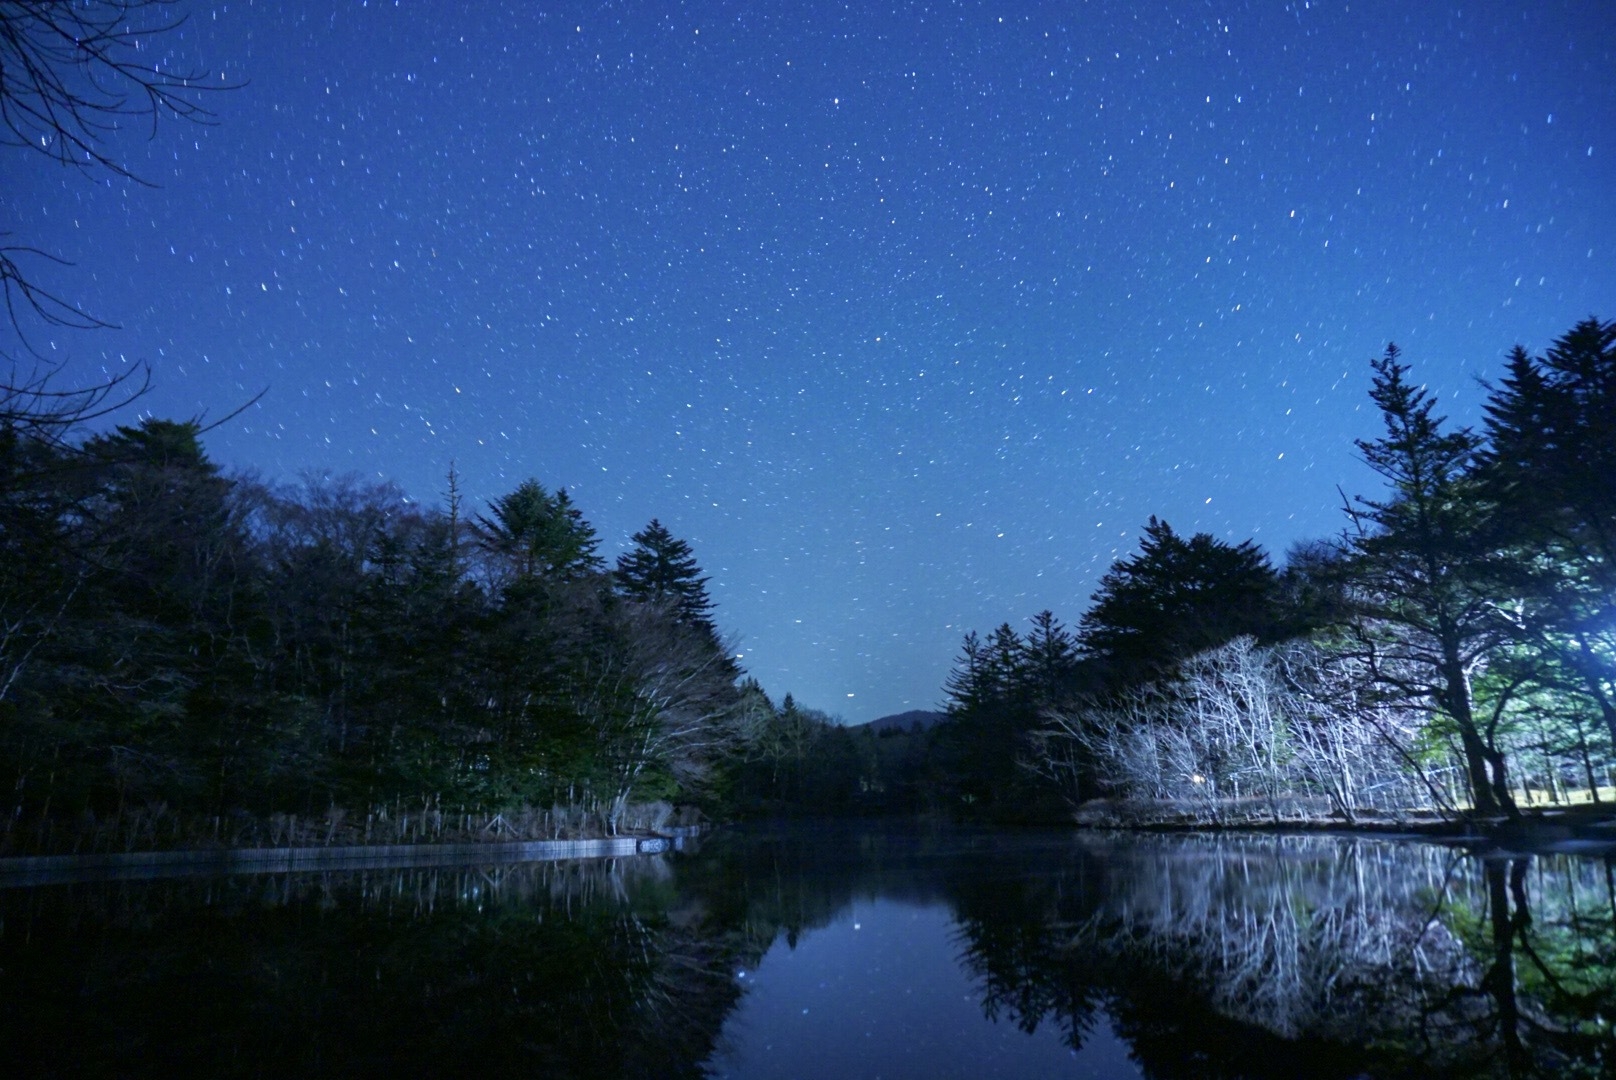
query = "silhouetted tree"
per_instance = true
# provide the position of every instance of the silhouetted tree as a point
(1050, 659)
(1175, 598)
(662, 569)
(1549, 468)
(538, 535)
(967, 686)
(1424, 614)
(996, 693)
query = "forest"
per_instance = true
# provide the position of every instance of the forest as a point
(183, 641)
(189, 655)
(1453, 650)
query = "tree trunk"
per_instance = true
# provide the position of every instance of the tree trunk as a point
(1586, 664)
(1481, 790)
(1499, 981)
(1489, 794)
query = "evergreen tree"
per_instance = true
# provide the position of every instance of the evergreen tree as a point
(1425, 614)
(170, 598)
(966, 687)
(1006, 665)
(1175, 598)
(540, 535)
(995, 694)
(1550, 469)
(1050, 659)
(662, 569)
(1551, 451)
(39, 574)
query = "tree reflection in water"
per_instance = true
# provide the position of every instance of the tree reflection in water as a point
(557, 970)
(1233, 956)
(1286, 956)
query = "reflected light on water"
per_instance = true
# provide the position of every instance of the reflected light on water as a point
(880, 994)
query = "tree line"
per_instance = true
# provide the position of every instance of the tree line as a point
(1453, 649)
(174, 636)
(182, 641)
(190, 655)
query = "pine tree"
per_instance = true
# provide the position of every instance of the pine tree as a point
(540, 535)
(453, 499)
(1050, 661)
(1550, 469)
(1416, 555)
(1006, 665)
(1175, 598)
(662, 569)
(966, 687)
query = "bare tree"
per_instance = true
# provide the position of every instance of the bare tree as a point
(657, 693)
(71, 73)
(32, 408)
(1289, 726)
(1363, 749)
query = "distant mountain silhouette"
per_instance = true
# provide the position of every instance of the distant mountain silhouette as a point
(904, 721)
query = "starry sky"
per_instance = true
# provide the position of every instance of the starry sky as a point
(906, 316)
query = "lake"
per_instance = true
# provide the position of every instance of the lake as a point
(836, 951)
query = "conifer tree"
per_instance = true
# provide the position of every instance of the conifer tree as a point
(1006, 666)
(540, 535)
(1425, 614)
(1175, 598)
(1549, 468)
(1050, 654)
(662, 569)
(966, 688)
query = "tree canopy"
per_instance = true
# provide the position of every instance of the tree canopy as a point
(661, 568)
(539, 535)
(1177, 596)
(1417, 560)
(1454, 647)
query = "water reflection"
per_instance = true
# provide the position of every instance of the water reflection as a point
(559, 969)
(1028, 954)
(1243, 956)
(1363, 956)
(879, 993)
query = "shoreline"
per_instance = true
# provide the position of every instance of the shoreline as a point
(1582, 828)
(32, 870)
(1538, 830)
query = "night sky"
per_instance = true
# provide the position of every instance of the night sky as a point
(906, 317)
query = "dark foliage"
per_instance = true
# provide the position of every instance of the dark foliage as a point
(173, 637)
(1175, 598)
(1549, 468)
(1426, 617)
(1477, 589)
(660, 569)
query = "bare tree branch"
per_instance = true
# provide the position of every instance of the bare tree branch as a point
(71, 73)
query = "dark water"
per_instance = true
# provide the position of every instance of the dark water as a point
(836, 953)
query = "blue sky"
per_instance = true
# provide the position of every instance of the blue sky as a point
(906, 318)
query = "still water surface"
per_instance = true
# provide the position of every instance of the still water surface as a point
(836, 952)
(857, 998)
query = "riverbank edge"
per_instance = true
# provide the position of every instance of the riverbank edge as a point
(18, 869)
(1543, 828)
